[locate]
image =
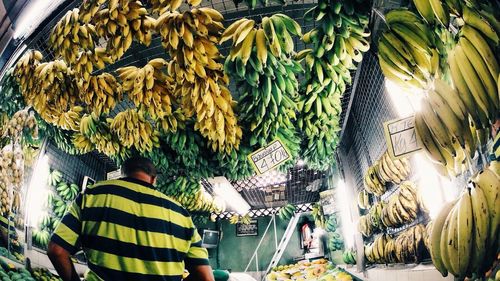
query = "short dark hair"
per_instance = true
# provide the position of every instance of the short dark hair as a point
(138, 164)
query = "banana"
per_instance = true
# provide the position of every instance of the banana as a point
(437, 129)
(481, 229)
(488, 182)
(441, 12)
(487, 79)
(447, 116)
(435, 238)
(464, 238)
(425, 10)
(451, 242)
(430, 146)
(473, 18)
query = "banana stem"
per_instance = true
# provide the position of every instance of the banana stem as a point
(380, 14)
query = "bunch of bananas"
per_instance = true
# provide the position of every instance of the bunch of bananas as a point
(336, 243)
(464, 236)
(409, 246)
(373, 184)
(25, 69)
(149, 88)
(392, 170)
(88, 10)
(475, 71)
(286, 212)
(20, 121)
(234, 219)
(191, 38)
(133, 129)
(101, 93)
(266, 77)
(43, 274)
(67, 191)
(246, 219)
(69, 36)
(349, 257)
(375, 215)
(162, 161)
(319, 216)
(189, 148)
(332, 225)
(364, 200)
(253, 3)
(402, 207)
(61, 138)
(96, 133)
(364, 226)
(375, 252)
(54, 178)
(339, 40)
(407, 50)
(41, 238)
(59, 207)
(5, 199)
(120, 22)
(162, 6)
(236, 166)
(448, 136)
(11, 99)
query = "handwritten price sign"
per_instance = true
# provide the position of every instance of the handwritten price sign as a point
(401, 137)
(269, 157)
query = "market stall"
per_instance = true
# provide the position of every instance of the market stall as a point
(309, 140)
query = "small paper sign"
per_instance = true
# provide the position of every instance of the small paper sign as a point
(113, 175)
(401, 137)
(251, 229)
(269, 157)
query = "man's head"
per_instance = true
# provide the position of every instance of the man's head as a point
(139, 168)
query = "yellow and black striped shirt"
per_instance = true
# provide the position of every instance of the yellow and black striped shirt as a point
(129, 231)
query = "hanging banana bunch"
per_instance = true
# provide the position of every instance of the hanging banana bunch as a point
(133, 129)
(101, 93)
(84, 65)
(169, 123)
(97, 132)
(25, 71)
(190, 39)
(149, 88)
(89, 9)
(407, 50)
(339, 41)
(236, 166)
(69, 36)
(474, 71)
(163, 6)
(266, 77)
(120, 22)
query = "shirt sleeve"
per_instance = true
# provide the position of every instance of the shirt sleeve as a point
(197, 255)
(67, 233)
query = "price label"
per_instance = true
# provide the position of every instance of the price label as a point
(269, 157)
(401, 137)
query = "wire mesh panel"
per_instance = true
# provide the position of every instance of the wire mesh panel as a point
(75, 168)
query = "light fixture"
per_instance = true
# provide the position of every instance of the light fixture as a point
(348, 226)
(405, 103)
(32, 15)
(225, 190)
(37, 190)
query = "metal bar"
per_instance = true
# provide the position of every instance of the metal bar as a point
(260, 242)
(275, 233)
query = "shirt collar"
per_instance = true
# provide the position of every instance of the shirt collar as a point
(138, 181)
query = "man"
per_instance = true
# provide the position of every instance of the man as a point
(129, 231)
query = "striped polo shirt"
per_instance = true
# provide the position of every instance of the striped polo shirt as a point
(129, 231)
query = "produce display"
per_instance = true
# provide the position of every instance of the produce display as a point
(12, 100)
(407, 247)
(339, 40)
(402, 207)
(42, 274)
(320, 270)
(464, 236)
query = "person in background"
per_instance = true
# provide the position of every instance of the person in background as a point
(129, 231)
